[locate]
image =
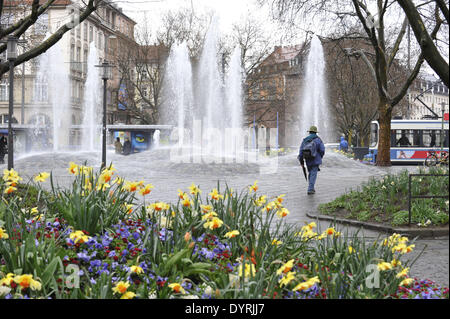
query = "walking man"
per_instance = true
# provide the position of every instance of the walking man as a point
(312, 151)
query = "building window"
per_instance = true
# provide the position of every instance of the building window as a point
(41, 91)
(85, 34)
(91, 34)
(4, 90)
(100, 36)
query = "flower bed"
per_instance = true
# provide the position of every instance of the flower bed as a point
(386, 201)
(94, 240)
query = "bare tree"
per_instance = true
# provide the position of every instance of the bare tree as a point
(141, 69)
(184, 25)
(36, 9)
(352, 92)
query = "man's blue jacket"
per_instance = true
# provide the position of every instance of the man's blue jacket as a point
(316, 161)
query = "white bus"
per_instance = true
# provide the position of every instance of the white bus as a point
(411, 140)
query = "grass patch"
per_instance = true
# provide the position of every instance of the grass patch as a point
(386, 200)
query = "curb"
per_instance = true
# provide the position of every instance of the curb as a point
(435, 232)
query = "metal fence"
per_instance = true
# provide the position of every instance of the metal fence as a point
(421, 196)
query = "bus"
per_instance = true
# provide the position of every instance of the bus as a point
(411, 140)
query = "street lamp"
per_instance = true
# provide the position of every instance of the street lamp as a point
(106, 75)
(11, 55)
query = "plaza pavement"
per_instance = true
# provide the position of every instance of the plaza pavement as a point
(338, 175)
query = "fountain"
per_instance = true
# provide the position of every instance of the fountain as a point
(53, 74)
(92, 104)
(178, 92)
(233, 85)
(314, 103)
(205, 118)
(209, 84)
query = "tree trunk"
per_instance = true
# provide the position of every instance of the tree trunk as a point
(384, 143)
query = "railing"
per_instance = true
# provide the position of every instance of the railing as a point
(420, 196)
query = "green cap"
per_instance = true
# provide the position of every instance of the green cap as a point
(313, 129)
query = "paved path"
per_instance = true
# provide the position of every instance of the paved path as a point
(337, 176)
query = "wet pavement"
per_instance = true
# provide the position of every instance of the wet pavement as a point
(276, 176)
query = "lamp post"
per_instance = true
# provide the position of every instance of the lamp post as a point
(11, 56)
(106, 75)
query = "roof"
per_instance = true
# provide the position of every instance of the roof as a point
(282, 54)
(13, 3)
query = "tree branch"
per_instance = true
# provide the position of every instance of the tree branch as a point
(398, 42)
(45, 45)
(443, 7)
(425, 40)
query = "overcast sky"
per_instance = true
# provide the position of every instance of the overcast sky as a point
(229, 11)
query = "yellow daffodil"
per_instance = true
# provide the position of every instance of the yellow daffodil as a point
(131, 186)
(396, 262)
(330, 231)
(11, 175)
(128, 295)
(177, 288)
(159, 206)
(276, 242)
(73, 168)
(41, 177)
(254, 187)
(214, 223)
(186, 202)
(209, 216)
(287, 278)
(283, 212)
(181, 194)
(280, 198)
(232, 234)
(402, 248)
(260, 200)
(105, 176)
(146, 190)
(307, 284)
(206, 208)
(136, 269)
(10, 189)
(351, 250)
(406, 282)
(403, 273)
(3, 234)
(194, 189)
(27, 281)
(247, 271)
(102, 187)
(311, 225)
(286, 267)
(121, 287)
(8, 279)
(79, 237)
(215, 194)
(269, 207)
(384, 266)
(129, 208)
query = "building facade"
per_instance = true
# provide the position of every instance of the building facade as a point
(273, 91)
(426, 96)
(33, 92)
